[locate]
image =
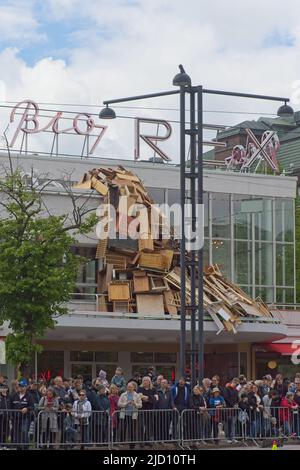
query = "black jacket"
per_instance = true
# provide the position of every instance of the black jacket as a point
(18, 403)
(196, 401)
(148, 405)
(231, 396)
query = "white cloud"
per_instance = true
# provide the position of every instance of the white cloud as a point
(19, 23)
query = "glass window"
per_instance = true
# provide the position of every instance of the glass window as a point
(243, 364)
(220, 215)
(173, 196)
(141, 357)
(266, 293)
(284, 265)
(263, 219)
(87, 271)
(206, 252)
(284, 295)
(221, 255)
(165, 357)
(85, 356)
(141, 369)
(169, 372)
(106, 356)
(82, 369)
(243, 262)
(242, 218)
(264, 263)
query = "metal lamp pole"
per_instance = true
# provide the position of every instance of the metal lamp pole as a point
(195, 177)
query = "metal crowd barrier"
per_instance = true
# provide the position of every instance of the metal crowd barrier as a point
(17, 429)
(145, 427)
(227, 425)
(62, 430)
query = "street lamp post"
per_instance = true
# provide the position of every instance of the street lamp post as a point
(194, 175)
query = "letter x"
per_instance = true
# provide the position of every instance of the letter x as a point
(260, 151)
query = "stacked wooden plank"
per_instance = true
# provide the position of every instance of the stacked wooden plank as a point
(142, 274)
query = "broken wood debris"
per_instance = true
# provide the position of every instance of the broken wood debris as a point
(142, 274)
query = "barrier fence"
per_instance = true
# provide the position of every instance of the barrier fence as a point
(50, 429)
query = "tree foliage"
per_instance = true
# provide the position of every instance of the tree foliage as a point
(37, 267)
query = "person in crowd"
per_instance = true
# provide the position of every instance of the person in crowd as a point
(265, 386)
(215, 383)
(92, 392)
(231, 397)
(49, 406)
(149, 399)
(104, 408)
(33, 390)
(280, 386)
(82, 412)
(157, 383)
(151, 373)
(163, 419)
(181, 395)
(244, 415)
(129, 403)
(3, 381)
(70, 432)
(119, 380)
(60, 390)
(242, 382)
(113, 406)
(216, 404)
(5, 406)
(206, 383)
(288, 406)
(14, 386)
(22, 405)
(137, 379)
(198, 424)
(75, 390)
(98, 406)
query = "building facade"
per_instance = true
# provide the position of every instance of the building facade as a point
(249, 232)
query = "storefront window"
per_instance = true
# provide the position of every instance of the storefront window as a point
(165, 357)
(142, 357)
(50, 364)
(81, 356)
(106, 356)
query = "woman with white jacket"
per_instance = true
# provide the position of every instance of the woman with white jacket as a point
(129, 403)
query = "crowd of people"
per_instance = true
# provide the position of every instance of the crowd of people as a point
(146, 409)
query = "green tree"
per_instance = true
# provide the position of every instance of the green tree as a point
(37, 267)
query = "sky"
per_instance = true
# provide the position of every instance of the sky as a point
(83, 52)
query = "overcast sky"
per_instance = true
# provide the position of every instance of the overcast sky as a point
(85, 51)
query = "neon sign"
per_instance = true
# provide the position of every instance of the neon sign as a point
(255, 152)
